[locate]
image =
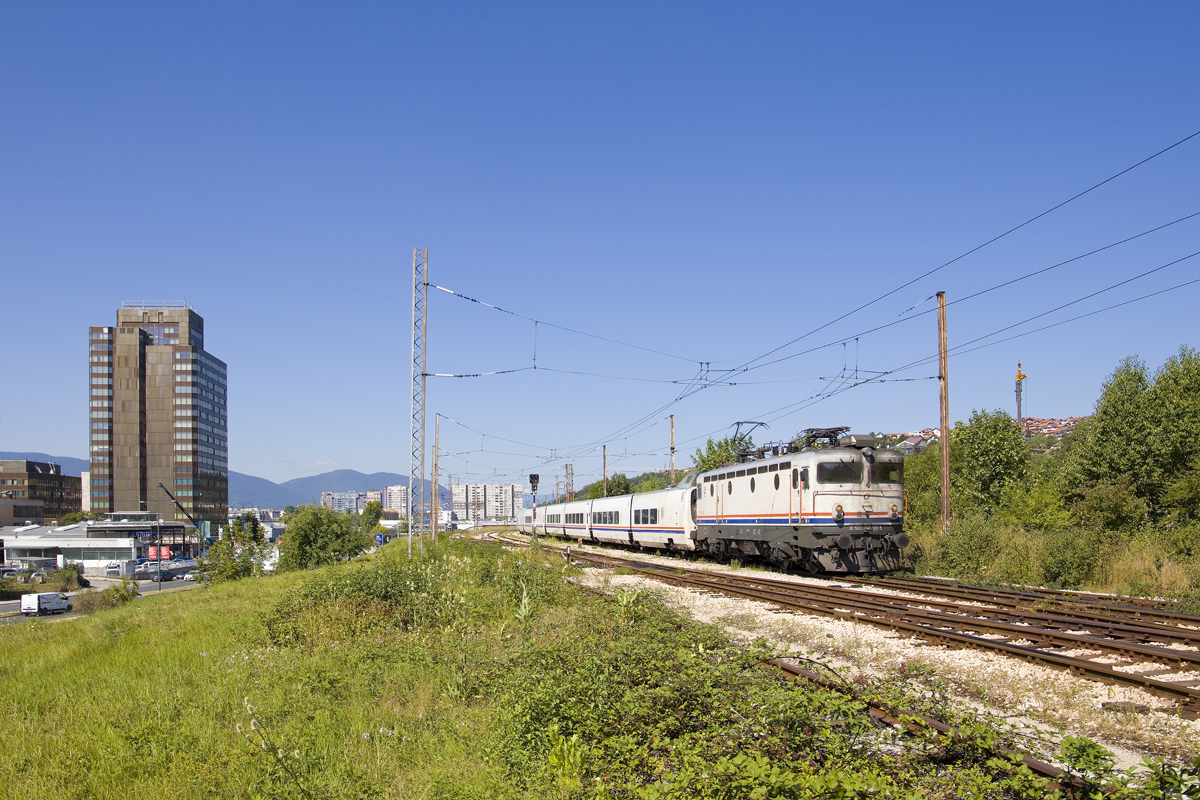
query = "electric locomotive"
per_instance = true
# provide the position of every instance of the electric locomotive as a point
(827, 502)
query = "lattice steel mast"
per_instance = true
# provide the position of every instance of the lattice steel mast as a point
(416, 458)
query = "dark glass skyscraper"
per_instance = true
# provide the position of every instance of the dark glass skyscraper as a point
(157, 415)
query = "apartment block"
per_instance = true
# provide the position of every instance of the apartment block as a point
(487, 500)
(157, 414)
(345, 501)
(395, 498)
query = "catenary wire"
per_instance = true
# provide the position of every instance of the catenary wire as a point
(975, 249)
(561, 327)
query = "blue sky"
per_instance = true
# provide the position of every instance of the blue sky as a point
(710, 181)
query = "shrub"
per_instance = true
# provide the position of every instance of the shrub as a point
(1070, 557)
(1111, 505)
(92, 600)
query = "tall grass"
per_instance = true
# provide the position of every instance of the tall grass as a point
(1148, 562)
(471, 673)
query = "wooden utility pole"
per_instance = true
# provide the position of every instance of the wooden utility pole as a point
(605, 468)
(436, 509)
(672, 449)
(944, 383)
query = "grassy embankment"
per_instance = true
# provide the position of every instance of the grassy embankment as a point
(1151, 562)
(473, 673)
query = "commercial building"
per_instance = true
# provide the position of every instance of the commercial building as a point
(487, 500)
(157, 415)
(20, 512)
(119, 537)
(22, 481)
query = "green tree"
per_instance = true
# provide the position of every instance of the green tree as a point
(1145, 433)
(617, 485)
(250, 531)
(372, 513)
(923, 486)
(1182, 496)
(651, 483)
(318, 535)
(73, 517)
(236, 555)
(986, 456)
(1175, 416)
(1116, 440)
(719, 453)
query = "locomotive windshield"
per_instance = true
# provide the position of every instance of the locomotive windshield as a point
(840, 472)
(887, 472)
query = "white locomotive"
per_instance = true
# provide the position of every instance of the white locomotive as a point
(826, 503)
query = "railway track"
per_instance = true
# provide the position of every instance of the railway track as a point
(1070, 637)
(1091, 606)
(885, 714)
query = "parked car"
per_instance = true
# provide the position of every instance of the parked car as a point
(164, 576)
(44, 603)
(191, 575)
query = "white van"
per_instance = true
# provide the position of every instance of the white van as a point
(44, 603)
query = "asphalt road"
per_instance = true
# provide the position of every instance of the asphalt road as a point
(10, 610)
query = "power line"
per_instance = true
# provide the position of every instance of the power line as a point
(975, 249)
(1026, 276)
(559, 327)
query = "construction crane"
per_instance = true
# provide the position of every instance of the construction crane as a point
(1021, 376)
(183, 511)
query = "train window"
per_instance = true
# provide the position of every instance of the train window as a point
(654, 516)
(752, 484)
(840, 472)
(712, 490)
(795, 479)
(887, 472)
(707, 478)
(785, 465)
(776, 480)
(729, 488)
(740, 473)
(761, 470)
(773, 467)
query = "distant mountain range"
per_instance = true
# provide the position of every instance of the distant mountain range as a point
(247, 490)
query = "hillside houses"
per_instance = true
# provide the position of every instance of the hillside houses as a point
(915, 442)
(1056, 428)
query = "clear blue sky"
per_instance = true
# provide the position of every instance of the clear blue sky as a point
(710, 181)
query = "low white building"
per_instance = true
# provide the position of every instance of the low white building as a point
(96, 544)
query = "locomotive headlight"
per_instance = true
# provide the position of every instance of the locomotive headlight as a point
(838, 513)
(895, 512)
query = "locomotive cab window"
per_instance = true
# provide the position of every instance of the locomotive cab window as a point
(887, 472)
(840, 472)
